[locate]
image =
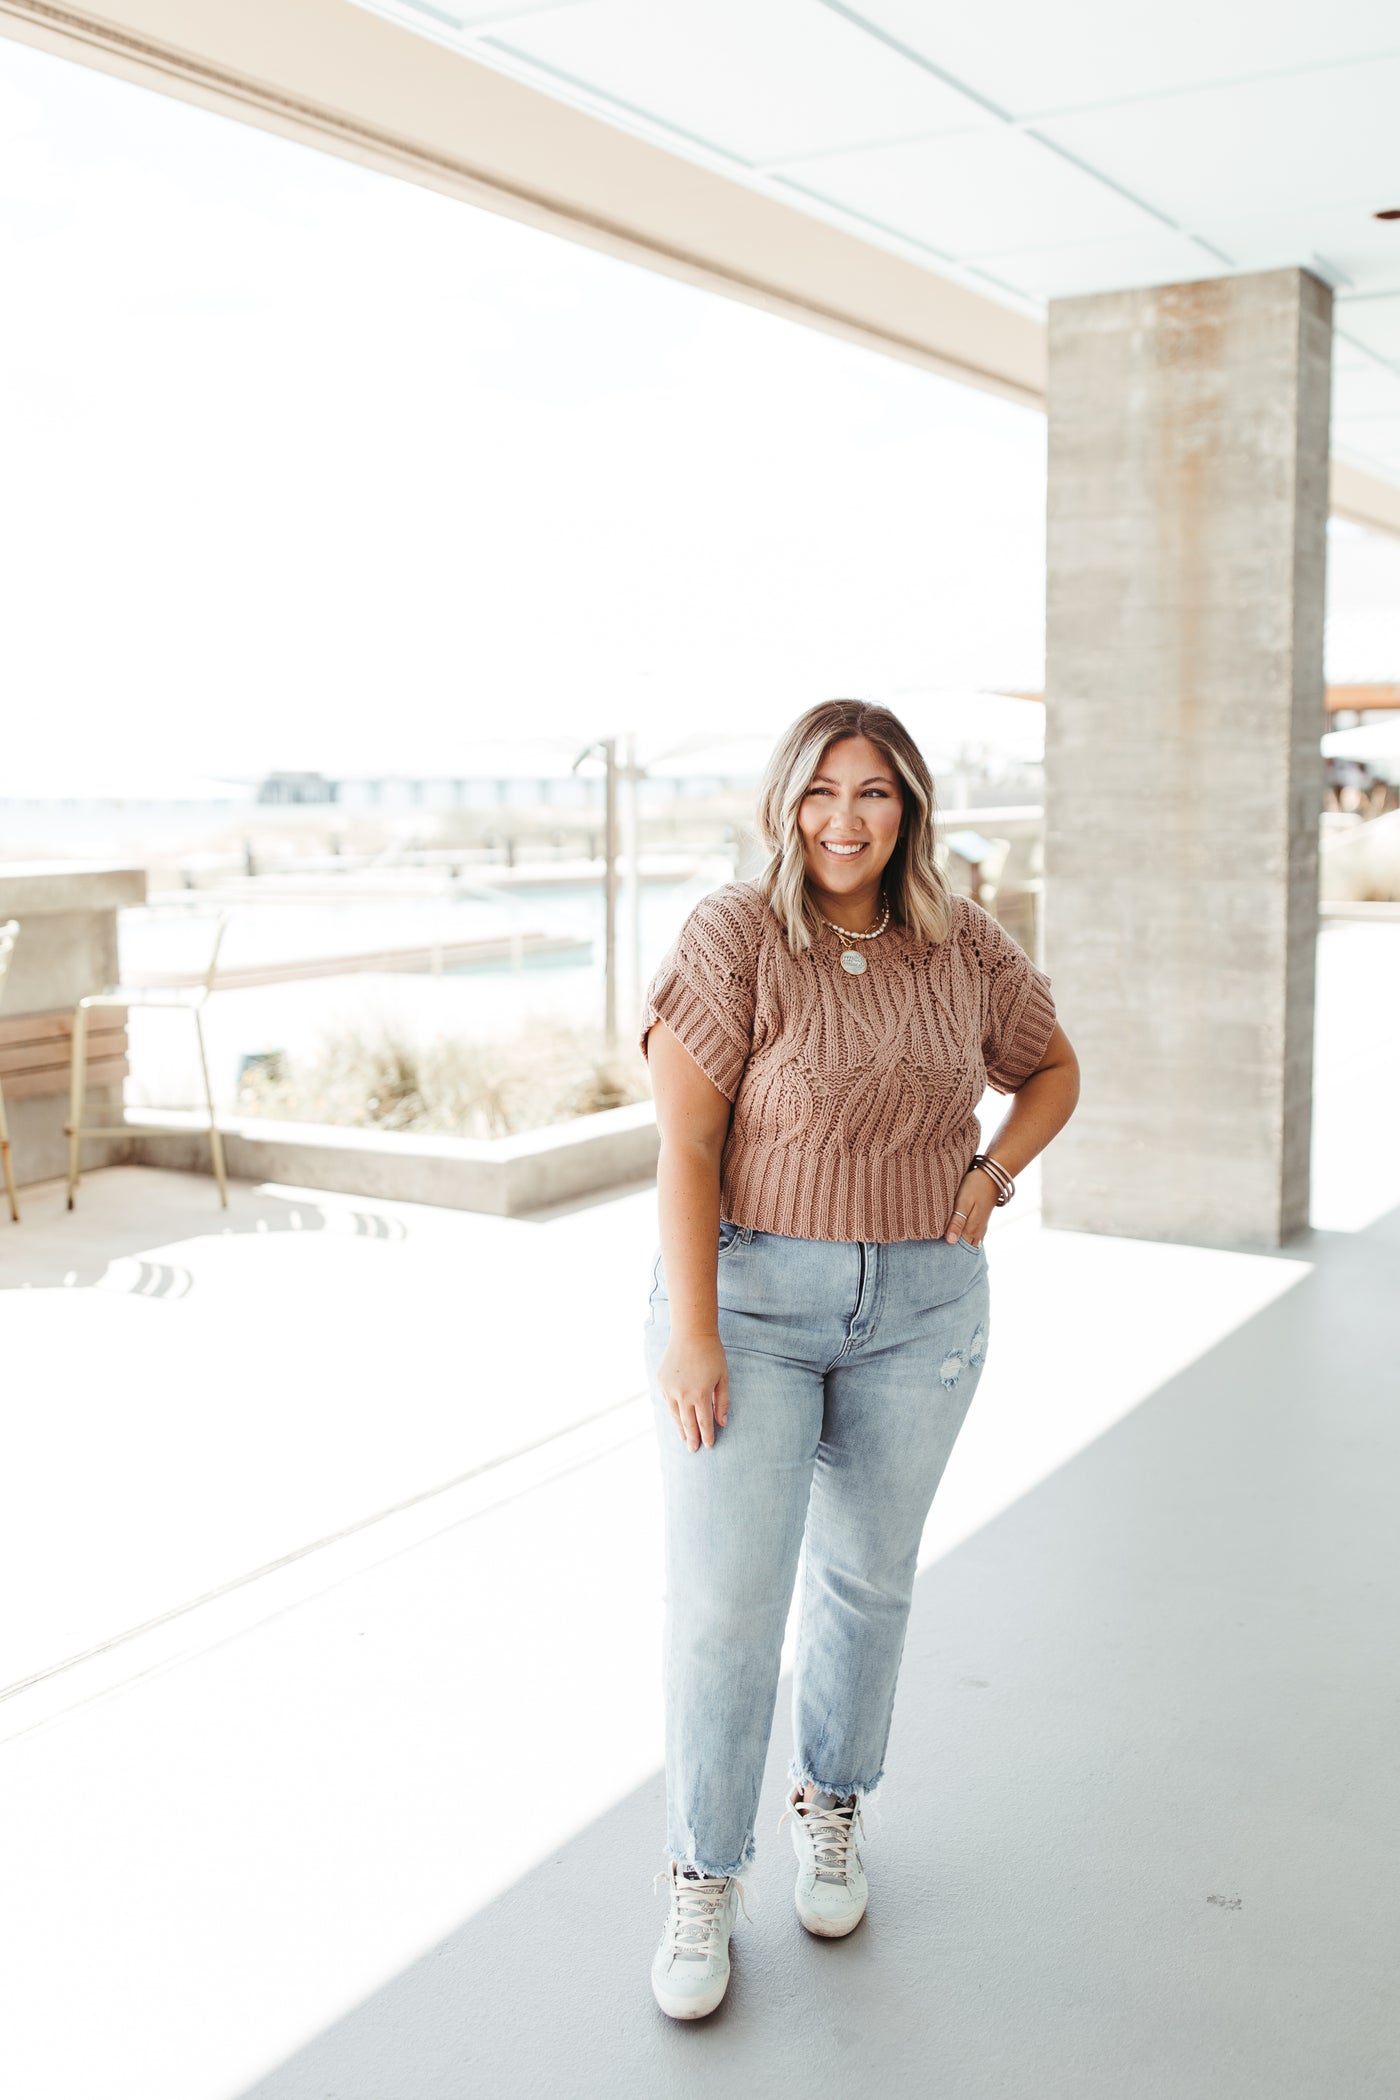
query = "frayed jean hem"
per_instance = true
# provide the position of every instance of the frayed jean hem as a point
(864, 1789)
(687, 1856)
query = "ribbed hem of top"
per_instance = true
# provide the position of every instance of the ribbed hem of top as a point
(781, 1189)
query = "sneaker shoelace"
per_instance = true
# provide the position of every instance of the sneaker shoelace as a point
(696, 1902)
(831, 1833)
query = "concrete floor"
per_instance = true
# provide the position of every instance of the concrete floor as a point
(330, 1763)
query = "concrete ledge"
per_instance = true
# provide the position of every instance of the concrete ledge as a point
(504, 1176)
(30, 886)
(1340, 908)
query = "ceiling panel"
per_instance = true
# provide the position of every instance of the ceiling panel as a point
(1378, 453)
(466, 14)
(973, 193)
(1027, 57)
(1348, 356)
(763, 82)
(1346, 244)
(1360, 393)
(1374, 323)
(1281, 163)
(1378, 435)
(1261, 149)
(1155, 256)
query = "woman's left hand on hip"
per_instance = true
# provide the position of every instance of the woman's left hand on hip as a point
(977, 1199)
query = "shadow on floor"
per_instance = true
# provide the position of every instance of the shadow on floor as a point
(74, 1251)
(63, 1250)
(1131, 1843)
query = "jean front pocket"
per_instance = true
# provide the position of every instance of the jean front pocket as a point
(973, 1247)
(730, 1235)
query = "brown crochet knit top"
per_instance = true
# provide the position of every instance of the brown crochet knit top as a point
(854, 1097)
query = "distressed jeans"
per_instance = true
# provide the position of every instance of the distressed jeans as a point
(851, 1367)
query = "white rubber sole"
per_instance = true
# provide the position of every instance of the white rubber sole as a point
(689, 2008)
(823, 1928)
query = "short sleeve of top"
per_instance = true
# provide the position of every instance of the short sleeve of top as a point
(704, 988)
(1019, 1008)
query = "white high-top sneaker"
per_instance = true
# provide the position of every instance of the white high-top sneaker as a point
(831, 1891)
(690, 1971)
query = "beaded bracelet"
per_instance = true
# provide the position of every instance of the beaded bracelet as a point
(1006, 1187)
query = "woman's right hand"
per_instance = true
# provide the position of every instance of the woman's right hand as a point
(694, 1380)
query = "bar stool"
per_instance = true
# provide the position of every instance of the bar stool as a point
(9, 934)
(149, 996)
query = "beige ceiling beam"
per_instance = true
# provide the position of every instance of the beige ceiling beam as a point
(1365, 498)
(331, 75)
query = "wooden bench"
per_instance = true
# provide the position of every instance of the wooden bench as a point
(36, 1052)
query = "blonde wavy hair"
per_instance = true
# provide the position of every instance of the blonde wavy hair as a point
(918, 891)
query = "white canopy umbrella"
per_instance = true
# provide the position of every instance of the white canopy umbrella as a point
(1376, 744)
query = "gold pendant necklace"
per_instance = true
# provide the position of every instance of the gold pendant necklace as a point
(852, 961)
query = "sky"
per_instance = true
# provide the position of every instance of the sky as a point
(307, 467)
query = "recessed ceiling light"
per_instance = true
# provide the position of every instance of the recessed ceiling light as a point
(1388, 214)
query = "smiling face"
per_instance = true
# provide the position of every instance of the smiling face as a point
(849, 820)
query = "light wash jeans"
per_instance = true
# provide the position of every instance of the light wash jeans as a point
(851, 1367)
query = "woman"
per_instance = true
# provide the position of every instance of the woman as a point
(818, 1040)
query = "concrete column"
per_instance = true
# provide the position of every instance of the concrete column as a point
(1187, 520)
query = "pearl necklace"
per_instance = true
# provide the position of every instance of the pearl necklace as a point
(852, 962)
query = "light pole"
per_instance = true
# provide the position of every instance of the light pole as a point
(631, 853)
(606, 749)
(628, 769)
